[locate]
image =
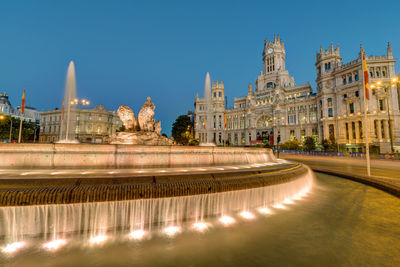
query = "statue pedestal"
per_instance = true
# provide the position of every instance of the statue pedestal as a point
(140, 138)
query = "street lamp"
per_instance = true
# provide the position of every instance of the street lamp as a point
(82, 102)
(379, 85)
(2, 117)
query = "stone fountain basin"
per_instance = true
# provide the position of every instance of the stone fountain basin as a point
(114, 156)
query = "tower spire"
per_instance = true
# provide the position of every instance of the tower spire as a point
(389, 50)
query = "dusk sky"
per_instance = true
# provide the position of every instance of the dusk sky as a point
(125, 51)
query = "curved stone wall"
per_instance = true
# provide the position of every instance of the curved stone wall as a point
(125, 156)
(69, 191)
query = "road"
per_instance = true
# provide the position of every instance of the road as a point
(383, 169)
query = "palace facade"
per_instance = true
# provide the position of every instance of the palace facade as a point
(94, 125)
(277, 110)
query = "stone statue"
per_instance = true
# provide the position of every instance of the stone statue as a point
(157, 127)
(141, 130)
(128, 118)
(146, 119)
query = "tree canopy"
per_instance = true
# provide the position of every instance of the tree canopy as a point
(182, 130)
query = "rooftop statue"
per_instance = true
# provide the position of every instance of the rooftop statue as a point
(141, 130)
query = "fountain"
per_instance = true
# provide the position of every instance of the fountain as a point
(207, 97)
(141, 130)
(137, 185)
(69, 96)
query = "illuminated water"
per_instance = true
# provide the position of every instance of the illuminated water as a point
(69, 96)
(339, 223)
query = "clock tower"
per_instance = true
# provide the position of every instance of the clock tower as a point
(274, 56)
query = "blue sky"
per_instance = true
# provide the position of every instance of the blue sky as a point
(125, 51)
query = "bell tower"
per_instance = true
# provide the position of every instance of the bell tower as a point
(274, 56)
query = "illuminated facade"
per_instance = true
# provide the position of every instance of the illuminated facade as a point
(87, 125)
(279, 110)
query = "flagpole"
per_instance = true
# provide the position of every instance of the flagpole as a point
(366, 118)
(22, 115)
(20, 128)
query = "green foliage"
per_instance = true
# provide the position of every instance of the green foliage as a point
(309, 143)
(291, 145)
(194, 142)
(329, 145)
(28, 129)
(182, 130)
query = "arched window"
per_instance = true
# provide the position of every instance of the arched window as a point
(264, 121)
(271, 85)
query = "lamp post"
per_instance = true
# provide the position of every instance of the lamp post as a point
(82, 102)
(379, 85)
(2, 117)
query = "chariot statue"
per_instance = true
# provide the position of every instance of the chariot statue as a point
(141, 130)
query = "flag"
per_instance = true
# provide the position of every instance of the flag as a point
(63, 110)
(366, 76)
(23, 103)
(225, 119)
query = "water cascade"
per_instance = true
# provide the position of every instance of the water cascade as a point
(95, 221)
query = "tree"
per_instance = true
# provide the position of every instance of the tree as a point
(309, 144)
(29, 129)
(290, 145)
(182, 130)
(329, 145)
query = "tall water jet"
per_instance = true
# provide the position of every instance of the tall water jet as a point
(69, 97)
(208, 100)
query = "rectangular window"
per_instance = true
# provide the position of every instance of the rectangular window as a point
(353, 129)
(356, 77)
(330, 112)
(347, 131)
(380, 103)
(383, 130)
(376, 128)
(351, 106)
(360, 129)
(344, 81)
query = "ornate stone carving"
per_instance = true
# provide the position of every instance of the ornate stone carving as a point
(157, 127)
(141, 130)
(128, 118)
(146, 119)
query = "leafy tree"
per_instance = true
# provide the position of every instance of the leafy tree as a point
(333, 146)
(29, 129)
(309, 144)
(291, 145)
(329, 145)
(325, 144)
(182, 130)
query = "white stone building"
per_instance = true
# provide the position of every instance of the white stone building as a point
(86, 125)
(278, 109)
(30, 113)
